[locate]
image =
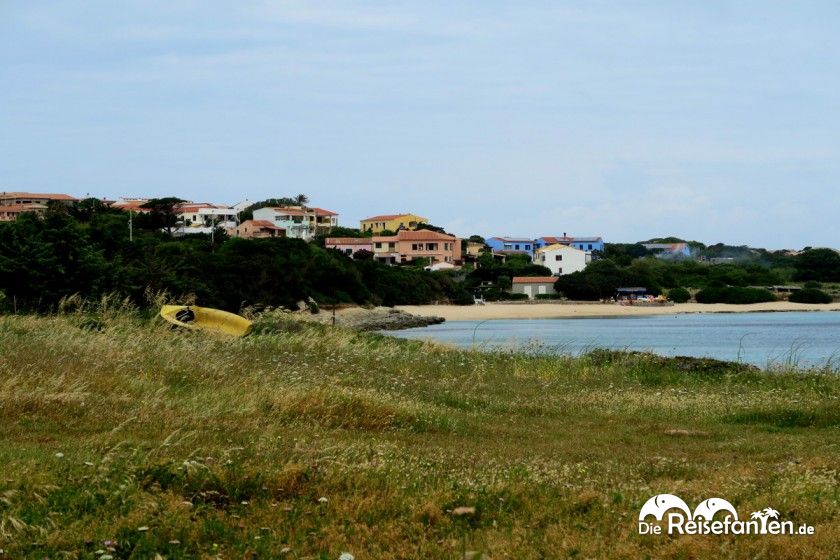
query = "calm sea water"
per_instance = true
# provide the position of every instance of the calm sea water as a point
(764, 339)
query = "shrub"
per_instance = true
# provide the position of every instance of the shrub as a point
(679, 295)
(736, 295)
(810, 295)
(813, 285)
(514, 297)
(549, 296)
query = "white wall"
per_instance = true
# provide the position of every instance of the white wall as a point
(562, 260)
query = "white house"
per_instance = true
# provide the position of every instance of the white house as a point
(562, 259)
(532, 286)
(301, 222)
(203, 218)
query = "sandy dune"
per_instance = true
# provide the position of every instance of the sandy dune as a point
(552, 310)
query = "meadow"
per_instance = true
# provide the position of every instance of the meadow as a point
(125, 439)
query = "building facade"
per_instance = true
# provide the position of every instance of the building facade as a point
(25, 198)
(403, 247)
(349, 245)
(300, 222)
(533, 285)
(256, 229)
(13, 204)
(521, 245)
(203, 218)
(583, 243)
(392, 222)
(562, 259)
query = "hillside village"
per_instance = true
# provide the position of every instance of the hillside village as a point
(408, 239)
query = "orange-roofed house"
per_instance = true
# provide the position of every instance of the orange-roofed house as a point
(349, 245)
(392, 222)
(532, 286)
(15, 198)
(403, 247)
(301, 222)
(9, 213)
(407, 246)
(256, 229)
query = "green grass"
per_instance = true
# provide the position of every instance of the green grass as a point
(131, 440)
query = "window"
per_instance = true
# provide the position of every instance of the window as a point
(378, 245)
(348, 251)
(560, 270)
(590, 246)
(415, 247)
(516, 246)
(431, 246)
(558, 257)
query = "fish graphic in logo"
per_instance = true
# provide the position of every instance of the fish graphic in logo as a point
(659, 504)
(708, 508)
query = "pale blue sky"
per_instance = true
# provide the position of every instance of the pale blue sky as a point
(715, 121)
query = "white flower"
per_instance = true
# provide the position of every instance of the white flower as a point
(346, 556)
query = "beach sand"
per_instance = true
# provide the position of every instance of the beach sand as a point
(555, 310)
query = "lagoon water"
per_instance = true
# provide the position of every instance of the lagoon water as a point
(805, 339)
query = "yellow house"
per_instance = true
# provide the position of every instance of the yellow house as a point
(392, 222)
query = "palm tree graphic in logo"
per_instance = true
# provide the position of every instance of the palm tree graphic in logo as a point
(764, 515)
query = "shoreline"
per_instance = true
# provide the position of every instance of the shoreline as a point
(592, 310)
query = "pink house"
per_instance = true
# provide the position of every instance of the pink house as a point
(349, 245)
(405, 246)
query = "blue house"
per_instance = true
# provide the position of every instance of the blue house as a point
(511, 245)
(582, 243)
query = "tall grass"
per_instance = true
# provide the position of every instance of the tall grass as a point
(124, 438)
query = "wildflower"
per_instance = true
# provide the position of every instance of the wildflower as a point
(346, 556)
(463, 510)
(142, 529)
(59, 455)
(323, 500)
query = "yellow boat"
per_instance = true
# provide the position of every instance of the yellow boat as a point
(206, 318)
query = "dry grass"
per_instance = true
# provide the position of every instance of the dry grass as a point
(124, 438)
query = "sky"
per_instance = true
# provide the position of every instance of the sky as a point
(717, 121)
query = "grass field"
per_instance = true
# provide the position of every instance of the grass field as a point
(124, 439)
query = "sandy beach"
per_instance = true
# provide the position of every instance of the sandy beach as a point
(555, 310)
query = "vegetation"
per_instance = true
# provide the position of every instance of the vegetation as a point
(731, 294)
(810, 295)
(818, 264)
(303, 441)
(679, 295)
(86, 250)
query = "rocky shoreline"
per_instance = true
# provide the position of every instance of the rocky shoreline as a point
(372, 319)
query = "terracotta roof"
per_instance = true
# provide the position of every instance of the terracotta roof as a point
(423, 234)
(348, 241)
(50, 196)
(534, 279)
(265, 224)
(22, 207)
(191, 208)
(387, 217)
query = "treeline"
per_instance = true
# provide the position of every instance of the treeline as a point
(86, 250)
(602, 277)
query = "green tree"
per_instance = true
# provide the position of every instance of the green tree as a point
(817, 264)
(162, 213)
